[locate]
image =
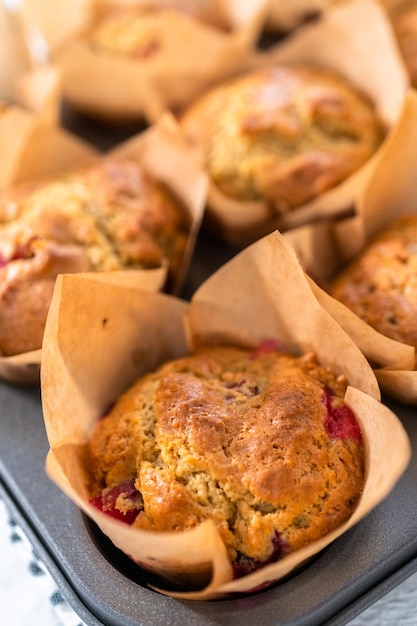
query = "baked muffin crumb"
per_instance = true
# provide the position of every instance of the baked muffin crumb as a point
(109, 216)
(283, 134)
(380, 285)
(240, 437)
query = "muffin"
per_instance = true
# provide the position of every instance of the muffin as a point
(260, 442)
(108, 216)
(283, 134)
(145, 58)
(380, 285)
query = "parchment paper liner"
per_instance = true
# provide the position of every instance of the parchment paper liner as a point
(30, 120)
(354, 40)
(179, 169)
(324, 249)
(404, 27)
(261, 293)
(32, 143)
(194, 54)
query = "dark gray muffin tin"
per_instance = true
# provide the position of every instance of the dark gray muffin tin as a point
(106, 588)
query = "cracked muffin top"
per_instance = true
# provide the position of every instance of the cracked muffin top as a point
(283, 134)
(260, 442)
(380, 285)
(109, 216)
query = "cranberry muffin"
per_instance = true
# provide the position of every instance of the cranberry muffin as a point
(283, 134)
(137, 32)
(260, 442)
(109, 216)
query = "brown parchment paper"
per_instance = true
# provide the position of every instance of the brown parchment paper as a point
(356, 41)
(40, 91)
(192, 55)
(261, 293)
(32, 144)
(391, 191)
(14, 54)
(179, 169)
(24, 82)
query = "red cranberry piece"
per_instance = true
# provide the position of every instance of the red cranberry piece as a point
(148, 49)
(266, 347)
(249, 390)
(244, 565)
(22, 251)
(340, 422)
(106, 502)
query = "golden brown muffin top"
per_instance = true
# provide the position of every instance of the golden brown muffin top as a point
(137, 33)
(284, 134)
(113, 210)
(109, 216)
(260, 442)
(380, 285)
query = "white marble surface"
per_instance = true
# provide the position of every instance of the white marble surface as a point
(397, 608)
(29, 596)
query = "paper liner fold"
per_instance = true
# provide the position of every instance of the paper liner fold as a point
(179, 170)
(30, 99)
(263, 292)
(40, 91)
(355, 40)
(118, 89)
(389, 193)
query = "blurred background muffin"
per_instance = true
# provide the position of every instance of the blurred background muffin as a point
(195, 441)
(109, 216)
(124, 61)
(283, 134)
(380, 284)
